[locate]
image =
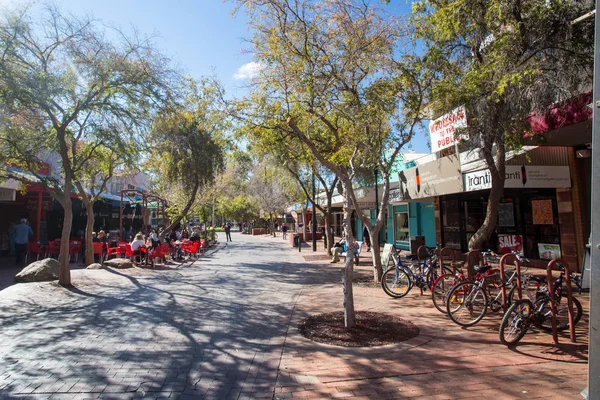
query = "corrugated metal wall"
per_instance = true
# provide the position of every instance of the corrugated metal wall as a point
(543, 155)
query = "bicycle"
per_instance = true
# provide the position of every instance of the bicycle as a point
(523, 313)
(397, 282)
(446, 282)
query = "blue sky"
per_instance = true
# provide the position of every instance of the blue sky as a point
(200, 36)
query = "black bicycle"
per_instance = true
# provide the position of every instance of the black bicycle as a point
(526, 312)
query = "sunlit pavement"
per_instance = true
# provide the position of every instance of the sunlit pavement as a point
(225, 327)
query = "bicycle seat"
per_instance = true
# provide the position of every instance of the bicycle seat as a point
(482, 268)
(410, 257)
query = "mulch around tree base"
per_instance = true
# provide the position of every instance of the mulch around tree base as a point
(372, 329)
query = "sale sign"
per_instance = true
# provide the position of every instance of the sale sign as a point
(441, 130)
(510, 242)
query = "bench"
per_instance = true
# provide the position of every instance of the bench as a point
(356, 256)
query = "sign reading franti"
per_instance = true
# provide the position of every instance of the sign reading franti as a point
(441, 130)
(524, 176)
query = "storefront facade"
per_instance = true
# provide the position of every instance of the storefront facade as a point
(535, 215)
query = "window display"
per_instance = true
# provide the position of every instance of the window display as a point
(401, 226)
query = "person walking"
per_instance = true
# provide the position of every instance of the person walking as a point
(23, 233)
(367, 238)
(284, 230)
(228, 232)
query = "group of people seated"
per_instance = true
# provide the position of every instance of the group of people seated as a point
(141, 245)
(144, 244)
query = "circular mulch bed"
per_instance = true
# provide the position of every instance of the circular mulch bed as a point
(372, 329)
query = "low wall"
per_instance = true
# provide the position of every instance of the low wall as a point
(259, 231)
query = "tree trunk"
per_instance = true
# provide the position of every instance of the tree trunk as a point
(483, 234)
(497, 169)
(328, 233)
(272, 224)
(89, 228)
(348, 270)
(377, 267)
(64, 276)
(184, 212)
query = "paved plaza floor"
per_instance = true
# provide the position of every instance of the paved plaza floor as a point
(226, 327)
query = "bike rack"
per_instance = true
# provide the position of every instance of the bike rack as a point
(549, 269)
(452, 255)
(419, 251)
(470, 273)
(503, 277)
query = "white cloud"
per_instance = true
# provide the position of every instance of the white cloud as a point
(247, 71)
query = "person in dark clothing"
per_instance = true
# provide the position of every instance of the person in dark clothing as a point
(228, 232)
(367, 238)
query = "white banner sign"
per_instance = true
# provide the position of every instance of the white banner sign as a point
(525, 176)
(441, 130)
(7, 194)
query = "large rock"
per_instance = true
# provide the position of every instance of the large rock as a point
(119, 263)
(39, 271)
(94, 266)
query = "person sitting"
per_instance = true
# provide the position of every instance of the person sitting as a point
(102, 238)
(340, 247)
(176, 250)
(137, 245)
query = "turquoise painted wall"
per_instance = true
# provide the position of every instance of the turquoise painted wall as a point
(427, 222)
(421, 223)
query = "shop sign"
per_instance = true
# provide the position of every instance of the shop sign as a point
(441, 130)
(510, 242)
(524, 176)
(395, 195)
(8, 194)
(32, 204)
(549, 251)
(434, 178)
(361, 205)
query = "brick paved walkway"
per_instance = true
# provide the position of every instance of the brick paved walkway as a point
(226, 327)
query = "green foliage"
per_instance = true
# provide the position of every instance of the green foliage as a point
(187, 147)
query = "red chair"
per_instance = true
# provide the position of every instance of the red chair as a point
(191, 249)
(113, 251)
(156, 253)
(53, 248)
(165, 249)
(202, 245)
(99, 250)
(74, 249)
(33, 248)
(143, 254)
(128, 251)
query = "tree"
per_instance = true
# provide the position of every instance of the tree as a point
(334, 78)
(503, 60)
(267, 186)
(62, 76)
(299, 163)
(187, 144)
(92, 180)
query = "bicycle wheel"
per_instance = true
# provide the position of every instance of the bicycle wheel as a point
(562, 315)
(515, 322)
(440, 289)
(396, 282)
(467, 304)
(432, 275)
(530, 289)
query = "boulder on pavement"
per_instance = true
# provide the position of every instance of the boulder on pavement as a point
(119, 263)
(94, 266)
(39, 271)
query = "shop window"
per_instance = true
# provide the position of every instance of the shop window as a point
(542, 233)
(401, 226)
(451, 224)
